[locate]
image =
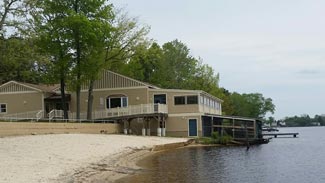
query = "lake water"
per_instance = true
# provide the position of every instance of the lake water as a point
(283, 160)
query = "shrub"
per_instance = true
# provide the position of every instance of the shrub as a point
(221, 139)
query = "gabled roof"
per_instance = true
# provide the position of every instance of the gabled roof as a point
(43, 87)
(109, 79)
(15, 86)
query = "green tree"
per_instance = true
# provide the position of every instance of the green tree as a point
(19, 60)
(227, 105)
(144, 63)
(172, 66)
(119, 40)
(75, 33)
(251, 105)
(177, 66)
(13, 17)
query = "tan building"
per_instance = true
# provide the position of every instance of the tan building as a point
(140, 107)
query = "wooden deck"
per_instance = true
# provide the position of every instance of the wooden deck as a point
(122, 112)
(275, 135)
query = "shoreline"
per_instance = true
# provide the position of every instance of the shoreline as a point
(121, 165)
(141, 165)
(109, 170)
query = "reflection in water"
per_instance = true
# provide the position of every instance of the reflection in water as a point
(282, 160)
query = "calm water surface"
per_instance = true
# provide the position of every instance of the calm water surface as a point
(284, 160)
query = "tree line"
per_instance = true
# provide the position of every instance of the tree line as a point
(72, 41)
(301, 121)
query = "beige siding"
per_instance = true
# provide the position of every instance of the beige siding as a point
(20, 128)
(178, 126)
(20, 103)
(14, 87)
(172, 108)
(135, 96)
(110, 79)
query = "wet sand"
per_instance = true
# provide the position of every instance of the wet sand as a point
(74, 157)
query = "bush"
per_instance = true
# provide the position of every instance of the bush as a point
(205, 140)
(221, 139)
(215, 138)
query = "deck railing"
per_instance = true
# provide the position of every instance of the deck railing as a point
(55, 114)
(125, 111)
(101, 114)
(39, 115)
(30, 115)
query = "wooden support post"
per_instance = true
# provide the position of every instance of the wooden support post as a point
(163, 130)
(159, 127)
(125, 127)
(212, 121)
(148, 130)
(246, 136)
(143, 128)
(130, 130)
(233, 129)
(255, 130)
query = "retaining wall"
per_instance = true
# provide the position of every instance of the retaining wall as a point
(32, 128)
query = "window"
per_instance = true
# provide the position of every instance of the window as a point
(219, 106)
(160, 99)
(180, 100)
(192, 99)
(3, 108)
(211, 103)
(114, 102)
(124, 102)
(201, 100)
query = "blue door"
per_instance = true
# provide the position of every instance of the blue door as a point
(192, 127)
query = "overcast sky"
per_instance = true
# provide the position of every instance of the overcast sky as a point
(274, 47)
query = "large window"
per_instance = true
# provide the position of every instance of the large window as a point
(182, 100)
(160, 99)
(114, 102)
(192, 99)
(3, 108)
(179, 100)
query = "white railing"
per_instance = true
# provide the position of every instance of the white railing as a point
(31, 115)
(102, 114)
(125, 111)
(39, 115)
(209, 110)
(55, 114)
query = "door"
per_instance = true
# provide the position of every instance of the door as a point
(192, 127)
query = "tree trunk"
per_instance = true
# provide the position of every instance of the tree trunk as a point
(63, 98)
(78, 78)
(90, 100)
(78, 52)
(78, 104)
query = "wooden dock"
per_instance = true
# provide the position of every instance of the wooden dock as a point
(275, 135)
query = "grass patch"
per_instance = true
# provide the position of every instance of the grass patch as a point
(215, 138)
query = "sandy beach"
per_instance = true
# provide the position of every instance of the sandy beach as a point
(73, 157)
